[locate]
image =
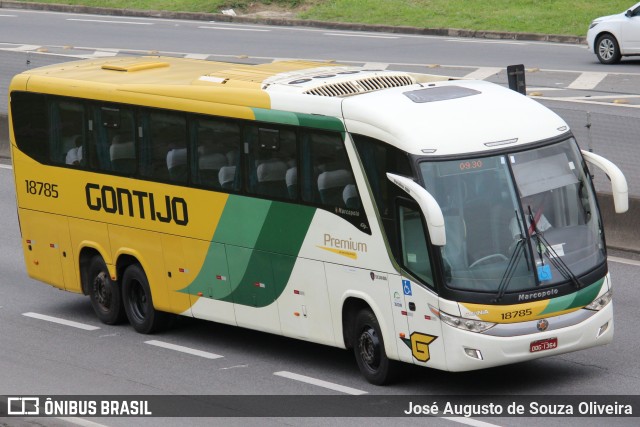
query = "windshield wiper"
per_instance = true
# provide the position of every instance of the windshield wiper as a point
(513, 262)
(552, 255)
(511, 268)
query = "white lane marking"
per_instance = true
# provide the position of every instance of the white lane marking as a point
(600, 97)
(624, 261)
(540, 89)
(103, 21)
(585, 101)
(183, 349)
(489, 41)
(470, 422)
(23, 48)
(80, 422)
(587, 80)
(319, 383)
(6, 167)
(360, 35)
(483, 73)
(375, 66)
(103, 54)
(9, 16)
(234, 29)
(197, 56)
(61, 321)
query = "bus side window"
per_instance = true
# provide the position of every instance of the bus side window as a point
(67, 124)
(413, 242)
(328, 179)
(217, 144)
(164, 147)
(30, 125)
(272, 155)
(111, 146)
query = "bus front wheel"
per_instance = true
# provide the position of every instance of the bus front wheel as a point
(138, 302)
(104, 293)
(368, 347)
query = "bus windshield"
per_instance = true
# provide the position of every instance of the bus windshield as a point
(519, 221)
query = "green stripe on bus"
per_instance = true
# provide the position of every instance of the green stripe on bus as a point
(242, 221)
(271, 262)
(262, 240)
(299, 119)
(276, 116)
(579, 299)
(322, 122)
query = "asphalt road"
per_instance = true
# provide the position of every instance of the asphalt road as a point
(41, 356)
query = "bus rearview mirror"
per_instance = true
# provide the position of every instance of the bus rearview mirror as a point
(428, 205)
(618, 181)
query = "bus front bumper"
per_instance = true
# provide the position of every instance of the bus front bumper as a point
(469, 351)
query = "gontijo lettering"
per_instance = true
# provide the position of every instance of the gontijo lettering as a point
(140, 204)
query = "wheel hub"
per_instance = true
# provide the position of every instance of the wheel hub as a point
(101, 290)
(369, 347)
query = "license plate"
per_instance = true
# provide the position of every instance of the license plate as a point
(542, 345)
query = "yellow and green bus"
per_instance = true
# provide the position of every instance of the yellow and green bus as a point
(447, 223)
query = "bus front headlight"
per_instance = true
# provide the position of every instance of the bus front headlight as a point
(471, 325)
(600, 302)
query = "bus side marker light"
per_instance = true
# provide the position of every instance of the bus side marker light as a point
(36, 262)
(297, 314)
(602, 330)
(200, 294)
(403, 312)
(259, 285)
(473, 353)
(402, 335)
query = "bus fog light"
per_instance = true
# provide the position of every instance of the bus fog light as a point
(474, 353)
(602, 330)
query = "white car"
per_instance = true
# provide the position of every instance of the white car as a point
(615, 36)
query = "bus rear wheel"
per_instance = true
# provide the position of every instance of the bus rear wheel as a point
(104, 293)
(368, 347)
(138, 302)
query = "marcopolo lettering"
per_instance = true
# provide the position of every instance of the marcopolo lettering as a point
(134, 203)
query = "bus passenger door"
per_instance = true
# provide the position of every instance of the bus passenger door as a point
(425, 331)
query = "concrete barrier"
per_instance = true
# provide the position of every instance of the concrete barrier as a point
(621, 229)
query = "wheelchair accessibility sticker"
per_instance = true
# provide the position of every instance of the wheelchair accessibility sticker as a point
(406, 287)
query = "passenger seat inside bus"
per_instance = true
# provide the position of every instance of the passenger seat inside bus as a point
(291, 179)
(271, 179)
(177, 164)
(227, 176)
(123, 155)
(209, 165)
(350, 197)
(331, 186)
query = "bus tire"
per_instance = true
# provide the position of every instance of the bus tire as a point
(368, 348)
(138, 302)
(104, 293)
